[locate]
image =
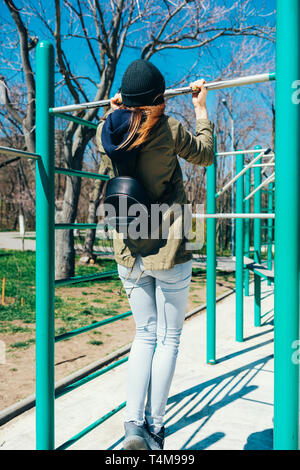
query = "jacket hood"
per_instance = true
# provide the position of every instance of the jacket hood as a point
(114, 132)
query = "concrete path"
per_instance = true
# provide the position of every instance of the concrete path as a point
(13, 241)
(224, 406)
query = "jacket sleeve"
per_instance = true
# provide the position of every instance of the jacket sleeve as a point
(198, 149)
(105, 159)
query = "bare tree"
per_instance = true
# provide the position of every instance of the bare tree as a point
(102, 30)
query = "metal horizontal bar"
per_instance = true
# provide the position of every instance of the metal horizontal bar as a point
(234, 216)
(86, 278)
(236, 177)
(74, 226)
(97, 324)
(78, 120)
(263, 164)
(85, 174)
(268, 180)
(89, 428)
(89, 377)
(215, 85)
(240, 152)
(19, 153)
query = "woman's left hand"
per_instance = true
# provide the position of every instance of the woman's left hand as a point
(116, 101)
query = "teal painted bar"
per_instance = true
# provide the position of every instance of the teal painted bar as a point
(257, 210)
(257, 239)
(287, 226)
(239, 252)
(69, 117)
(88, 378)
(44, 247)
(74, 226)
(85, 431)
(85, 174)
(247, 228)
(97, 324)
(85, 278)
(257, 299)
(272, 76)
(211, 263)
(18, 153)
(270, 228)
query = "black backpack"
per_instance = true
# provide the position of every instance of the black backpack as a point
(126, 200)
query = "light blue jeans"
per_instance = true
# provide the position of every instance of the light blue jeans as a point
(158, 301)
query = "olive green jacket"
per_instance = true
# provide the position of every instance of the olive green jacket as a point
(158, 169)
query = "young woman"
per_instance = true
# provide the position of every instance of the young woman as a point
(156, 272)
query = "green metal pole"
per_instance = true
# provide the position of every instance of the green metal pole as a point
(257, 210)
(270, 229)
(211, 263)
(247, 228)
(287, 226)
(44, 248)
(239, 251)
(257, 242)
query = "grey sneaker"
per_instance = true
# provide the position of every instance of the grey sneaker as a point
(155, 441)
(135, 437)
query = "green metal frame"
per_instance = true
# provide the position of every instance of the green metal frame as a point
(44, 247)
(287, 226)
(211, 261)
(287, 229)
(257, 243)
(239, 251)
(45, 282)
(247, 227)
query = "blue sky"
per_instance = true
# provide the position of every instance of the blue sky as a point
(174, 64)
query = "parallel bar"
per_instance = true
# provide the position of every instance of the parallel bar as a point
(44, 247)
(85, 431)
(270, 229)
(239, 152)
(86, 278)
(19, 153)
(257, 299)
(215, 85)
(257, 241)
(239, 253)
(82, 122)
(257, 206)
(287, 226)
(97, 324)
(85, 174)
(88, 378)
(247, 228)
(211, 264)
(264, 164)
(264, 183)
(236, 177)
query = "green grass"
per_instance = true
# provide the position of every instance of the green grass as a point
(22, 344)
(94, 301)
(18, 268)
(95, 342)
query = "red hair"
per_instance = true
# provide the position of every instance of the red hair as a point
(142, 128)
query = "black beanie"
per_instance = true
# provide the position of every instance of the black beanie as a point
(142, 82)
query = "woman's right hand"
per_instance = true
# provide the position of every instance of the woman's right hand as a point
(116, 101)
(199, 98)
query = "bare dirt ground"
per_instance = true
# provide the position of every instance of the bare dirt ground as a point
(17, 368)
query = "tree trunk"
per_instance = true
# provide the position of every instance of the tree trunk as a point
(95, 196)
(64, 239)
